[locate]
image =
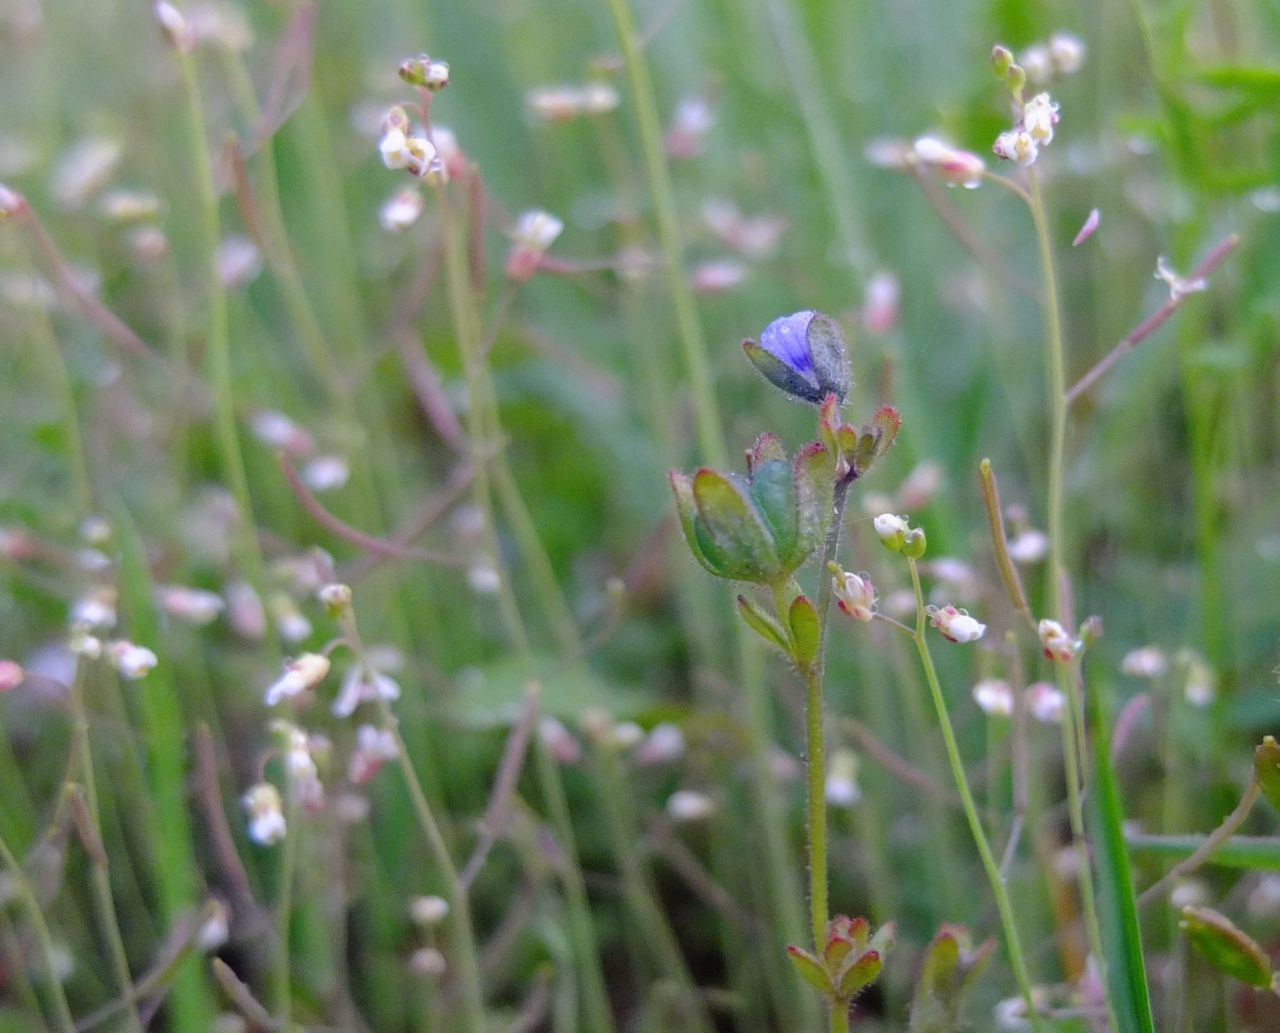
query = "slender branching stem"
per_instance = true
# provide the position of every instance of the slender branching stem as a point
(100, 875)
(1074, 747)
(1012, 942)
(22, 890)
(218, 342)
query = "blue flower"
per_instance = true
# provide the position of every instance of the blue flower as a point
(804, 355)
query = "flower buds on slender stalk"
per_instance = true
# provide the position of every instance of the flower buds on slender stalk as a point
(803, 355)
(764, 526)
(849, 961)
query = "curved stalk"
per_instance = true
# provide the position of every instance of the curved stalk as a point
(1012, 942)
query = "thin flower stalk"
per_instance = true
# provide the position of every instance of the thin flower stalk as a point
(1013, 943)
(712, 447)
(1075, 748)
(99, 874)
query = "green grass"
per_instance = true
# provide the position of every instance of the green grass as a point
(575, 392)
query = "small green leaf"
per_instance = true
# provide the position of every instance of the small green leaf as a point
(686, 509)
(763, 625)
(810, 970)
(767, 449)
(774, 495)
(730, 530)
(858, 974)
(1227, 947)
(806, 630)
(815, 469)
(1266, 769)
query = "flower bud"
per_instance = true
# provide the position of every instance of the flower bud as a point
(1045, 703)
(891, 530)
(175, 27)
(956, 167)
(11, 675)
(424, 72)
(1001, 60)
(428, 911)
(994, 697)
(803, 355)
(1067, 52)
(335, 598)
(535, 231)
(300, 674)
(914, 543)
(688, 805)
(1016, 145)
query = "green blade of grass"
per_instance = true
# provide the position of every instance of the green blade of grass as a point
(1126, 971)
(1257, 853)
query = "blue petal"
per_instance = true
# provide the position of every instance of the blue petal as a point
(786, 339)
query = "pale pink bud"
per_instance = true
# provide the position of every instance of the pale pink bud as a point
(880, 304)
(690, 124)
(1029, 546)
(559, 740)
(11, 675)
(717, 276)
(1087, 230)
(994, 697)
(1145, 662)
(192, 605)
(1067, 52)
(664, 743)
(1045, 703)
(956, 167)
(374, 747)
(535, 231)
(275, 430)
(428, 911)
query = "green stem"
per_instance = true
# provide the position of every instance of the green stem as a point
(706, 411)
(284, 909)
(219, 345)
(1013, 945)
(22, 888)
(1075, 749)
(100, 874)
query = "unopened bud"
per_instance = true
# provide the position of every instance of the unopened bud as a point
(914, 543)
(175, 27)
(891, 530)
(1001, 60)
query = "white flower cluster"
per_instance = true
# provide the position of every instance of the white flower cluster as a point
(403, 148)
(1033, 130)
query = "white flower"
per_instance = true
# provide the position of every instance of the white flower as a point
(599, 98)
(891, 530)
(266, 817)
(1057, 644)
(1045, 703)
(559, 740)
(1037, 62)
(275, 430)
(428, 962)
(955, 625)
(1067, 52)
(216, 927)
(193, 605)
(1039, 116)
(374, 747)
(175, 27)
(994, 697)
(300, 674)
(664, 743)
(842, 789)
(1029, 546)
(435, 75)
(428, 911)
(291, 623)
(688, 805)
(1199, 689)
(1146, 662)
(536, 230)
(305, 786)
(95, 610)
(855, 595)
(326, 473)
(335, 596)
(400, 210)
(361, 685)
(394, 148)
(132, 661)
(1178, 286)
(1016, 145)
